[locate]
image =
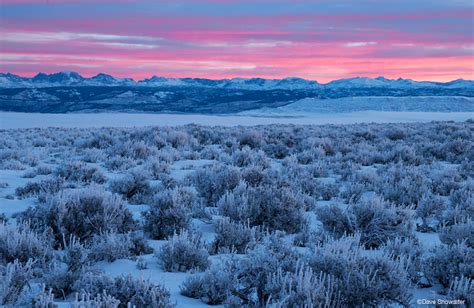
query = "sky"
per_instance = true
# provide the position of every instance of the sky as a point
(318, 40)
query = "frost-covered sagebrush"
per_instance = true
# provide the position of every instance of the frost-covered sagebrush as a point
(446, 263)
(183, 252)
(276, 215)
(169, 213)
(20, 243)
(275, 208)
(234, 236)
(376, 220)
(80, 213)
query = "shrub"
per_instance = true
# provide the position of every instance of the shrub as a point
(353, 192)
(445, 181)
(309, 156)
(255, 176)
(461, 202)
(178, 139)
(14, 281)
(403, 185)
(360, 280)
(157, 168)
(12, 164)
(253, 272)
(128, 291)
(81, 213)
(99, 140)
(242, 281)
(409, 249)
(247, 157)
(44, 298)
(278, 151)
(430, 209)
(461, 232)
(63, 273)
(67, 269)
(139, 293)
(92, 282)
(44, 170)
(302, 288)
(213, 183)
(136, 150)
(75, 255)
(446, 263)
(184, 252)
(169, 212)
(110, 246)
(140, 245)
(133, 186)
(119, 163)
(102, 300)
(271, 207)
(47, 186)
(251, 138)
(22, 244)
(328, 191)
(212, 287)
(234, 236)
(377, 221)
(59, 280)
(335, 220)
(462, 289)
(93, 155)
(78, 171)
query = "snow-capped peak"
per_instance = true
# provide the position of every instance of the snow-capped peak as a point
(380, 82)
(68, 78)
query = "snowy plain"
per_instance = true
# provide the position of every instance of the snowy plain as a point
(17, 120)
(56, 148)
(310, 106)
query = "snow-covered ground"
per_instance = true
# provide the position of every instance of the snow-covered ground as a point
(315, 167)
(14, 120)
(423, 104)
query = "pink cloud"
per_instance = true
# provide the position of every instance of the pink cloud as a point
(309, 44)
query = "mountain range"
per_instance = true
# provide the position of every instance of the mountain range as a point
(73, 79)
(70, 92)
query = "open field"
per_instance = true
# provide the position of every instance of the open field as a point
(14, 120)
(275, 215)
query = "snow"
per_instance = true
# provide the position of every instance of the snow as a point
(15, 120)
(67, 78)
(428, 240)
(400, 83)
(179, 169)
(172, 281)
(34, 94)
(371, 103)
(14, 180)
(379, 82)
(11, 207)
(126, 94)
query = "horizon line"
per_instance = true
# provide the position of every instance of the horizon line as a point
(237, 77)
